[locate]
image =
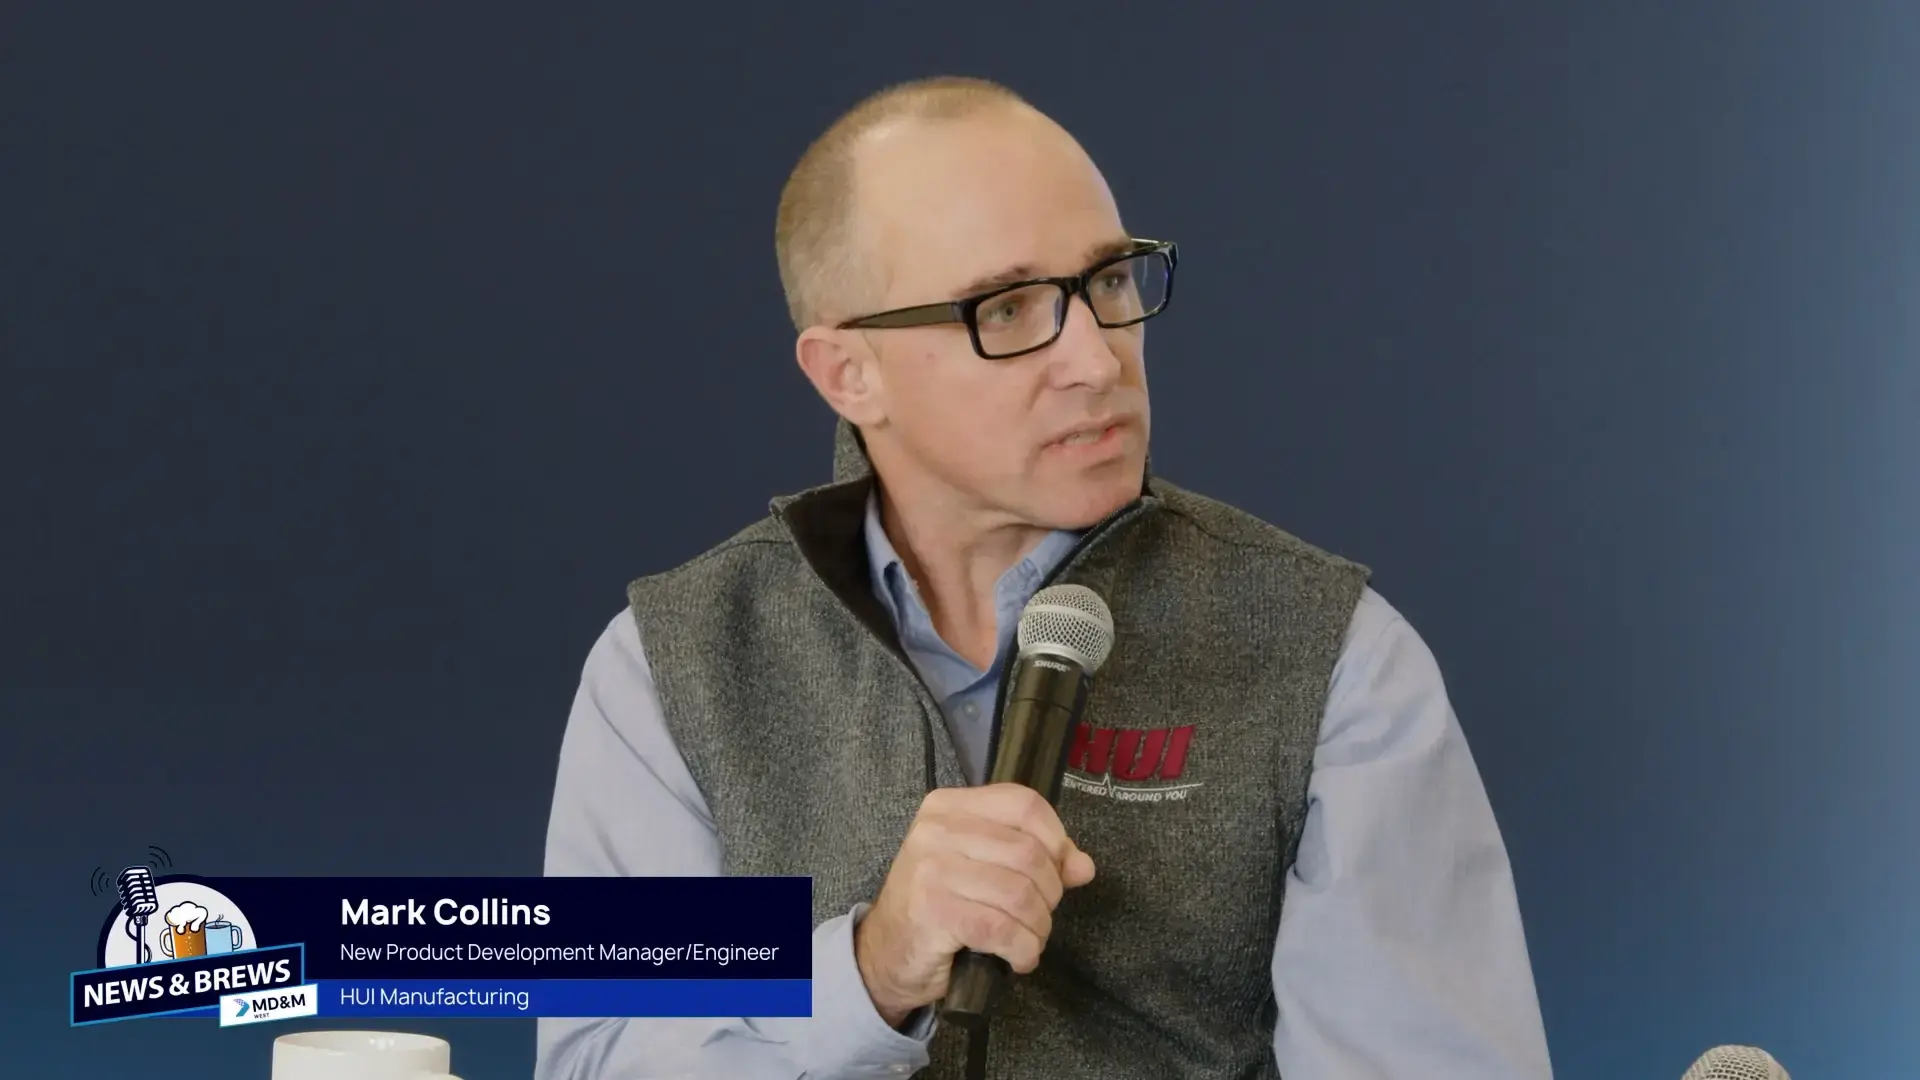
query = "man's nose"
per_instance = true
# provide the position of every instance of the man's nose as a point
(1082, 352)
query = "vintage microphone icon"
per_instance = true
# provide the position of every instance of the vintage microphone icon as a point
(139, 899)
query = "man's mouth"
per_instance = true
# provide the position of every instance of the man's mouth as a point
(1090, 435)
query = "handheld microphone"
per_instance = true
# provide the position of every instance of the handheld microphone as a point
(1736, 1063)
(138, 899)
(1065, 634)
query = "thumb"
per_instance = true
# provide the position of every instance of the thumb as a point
(1077, 868)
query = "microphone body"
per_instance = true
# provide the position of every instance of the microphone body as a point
(1036, 731)
(1049, 693)
(1065, 634)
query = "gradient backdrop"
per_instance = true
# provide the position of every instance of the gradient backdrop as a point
(355, 358)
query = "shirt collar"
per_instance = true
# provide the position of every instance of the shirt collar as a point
(897, 592)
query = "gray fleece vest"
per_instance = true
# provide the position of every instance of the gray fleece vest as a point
(813, 741)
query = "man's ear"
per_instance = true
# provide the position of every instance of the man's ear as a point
(845, 372)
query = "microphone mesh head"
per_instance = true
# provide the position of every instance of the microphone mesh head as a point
(1070, 619)
(137, 893)
(1736, 1063)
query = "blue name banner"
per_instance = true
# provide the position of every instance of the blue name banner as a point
(507, 947)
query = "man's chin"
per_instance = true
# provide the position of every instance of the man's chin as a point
(1088, 504)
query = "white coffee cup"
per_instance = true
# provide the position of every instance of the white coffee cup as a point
(359, 1055)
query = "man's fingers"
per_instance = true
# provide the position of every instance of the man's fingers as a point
(1078, 869)
(989, 843)
(1025, 809)
(1012, 894)
(986, 929)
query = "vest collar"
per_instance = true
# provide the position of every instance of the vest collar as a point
(828, 523)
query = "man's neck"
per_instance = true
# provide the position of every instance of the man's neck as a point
(956, 561)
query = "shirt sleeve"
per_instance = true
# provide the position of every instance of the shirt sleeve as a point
(1400, 950)
(624, 803)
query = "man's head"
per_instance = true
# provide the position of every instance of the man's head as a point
(932, 192)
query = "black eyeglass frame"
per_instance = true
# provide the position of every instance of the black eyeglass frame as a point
(965, 310)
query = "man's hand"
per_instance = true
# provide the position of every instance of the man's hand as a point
(982, 869)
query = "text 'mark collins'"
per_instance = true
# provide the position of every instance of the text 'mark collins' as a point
(490, 911)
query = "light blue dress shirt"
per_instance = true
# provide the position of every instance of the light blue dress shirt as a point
(1399, 956)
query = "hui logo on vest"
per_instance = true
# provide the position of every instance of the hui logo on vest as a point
(1128, 764)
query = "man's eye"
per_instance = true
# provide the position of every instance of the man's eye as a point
(1002, 311)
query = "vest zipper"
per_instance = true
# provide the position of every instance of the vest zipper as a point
(928, 702)
(1075, 554)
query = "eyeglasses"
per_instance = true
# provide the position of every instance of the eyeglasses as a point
(1026, 316)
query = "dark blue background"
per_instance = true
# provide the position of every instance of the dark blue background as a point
(355, 358)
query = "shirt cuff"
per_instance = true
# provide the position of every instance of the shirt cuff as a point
(846, 1035)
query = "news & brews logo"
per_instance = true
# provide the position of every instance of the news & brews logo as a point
(174, 945)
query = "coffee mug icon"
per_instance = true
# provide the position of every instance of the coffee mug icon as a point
(224, 937)
(185, 934)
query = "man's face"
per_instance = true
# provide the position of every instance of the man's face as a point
(1055, 438)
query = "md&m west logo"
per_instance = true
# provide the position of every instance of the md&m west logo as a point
(282, 1004)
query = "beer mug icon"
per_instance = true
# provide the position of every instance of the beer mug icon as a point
(185, 934)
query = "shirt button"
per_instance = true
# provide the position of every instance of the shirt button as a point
(970, 709)
(902, 1070)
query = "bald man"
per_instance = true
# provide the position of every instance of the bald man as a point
(1272, 856)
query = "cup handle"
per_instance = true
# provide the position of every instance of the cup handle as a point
(166, 941)
(238, 938)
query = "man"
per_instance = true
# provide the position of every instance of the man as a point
(1274, 855)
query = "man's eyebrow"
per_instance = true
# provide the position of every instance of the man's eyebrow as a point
(1105, 249)
(1011, 274)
